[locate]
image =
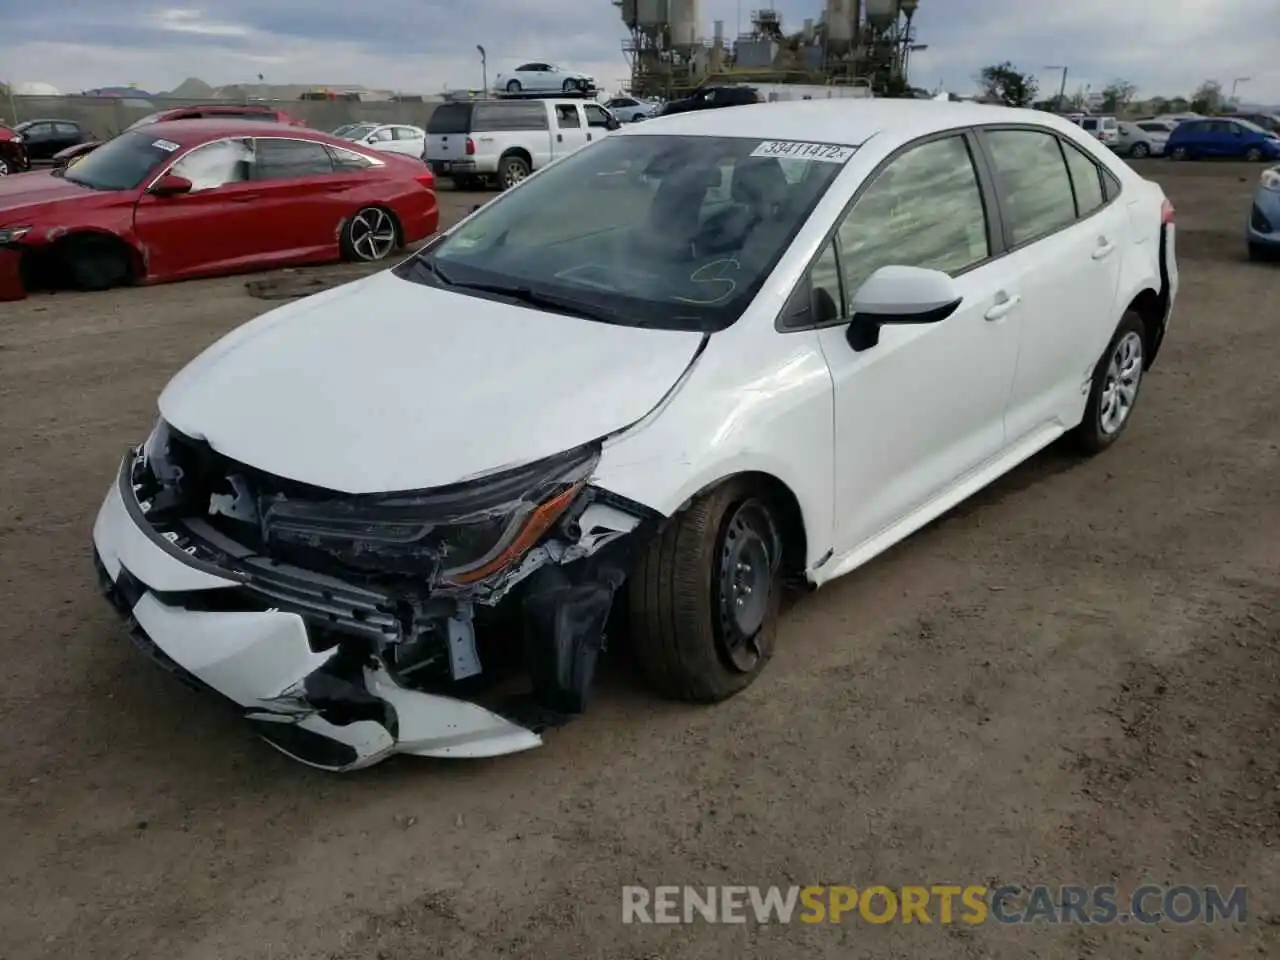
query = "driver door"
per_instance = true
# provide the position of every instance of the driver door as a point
(924, 406)
(216, 225)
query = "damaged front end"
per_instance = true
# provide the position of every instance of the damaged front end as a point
(488, 594)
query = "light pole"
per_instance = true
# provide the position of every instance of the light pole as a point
(1062, 90)
(484, 69)
(1235, 83)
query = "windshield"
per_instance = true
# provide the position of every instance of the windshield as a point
(358, 131)
(1155, 127)
(122, 163)
(1251, 126)
(666, 231)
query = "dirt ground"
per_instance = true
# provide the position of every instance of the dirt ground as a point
(1073, 679)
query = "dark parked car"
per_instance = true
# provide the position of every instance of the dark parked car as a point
(709, 98)
(44, 138)
(1222, 138)
(13, 153)
(1267, 121)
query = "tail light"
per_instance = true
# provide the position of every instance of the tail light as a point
(471, 147)
(426, 178)
(1166, 213)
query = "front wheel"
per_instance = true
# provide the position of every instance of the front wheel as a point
(1179, 153)
(4, 168)
(704, 597)
(513, 86)
(1253, 154)
(569, 87)
(369, 236)
(94, 263)
(1114, 391)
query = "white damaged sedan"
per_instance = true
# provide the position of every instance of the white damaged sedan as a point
(698, 359)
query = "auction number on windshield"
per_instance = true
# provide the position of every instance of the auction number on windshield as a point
(798, 150)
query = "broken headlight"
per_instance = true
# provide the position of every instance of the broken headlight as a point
(453, 536)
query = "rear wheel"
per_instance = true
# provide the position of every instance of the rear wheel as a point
(1253, 154)
(371, 235)
(1114, 392)
(704, 598)
(512, 170)
(4, 168)
(1140, 150)
(94, 263)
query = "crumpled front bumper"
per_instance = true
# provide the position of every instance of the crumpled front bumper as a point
(260, 661)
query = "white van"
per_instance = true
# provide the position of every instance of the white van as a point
(1105, 130)
(477, 141)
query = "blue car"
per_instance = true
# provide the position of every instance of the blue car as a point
(1263, 230)
(1222, 138)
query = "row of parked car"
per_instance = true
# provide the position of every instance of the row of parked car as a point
(1240, 136)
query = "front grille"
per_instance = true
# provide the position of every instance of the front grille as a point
(1258, 220)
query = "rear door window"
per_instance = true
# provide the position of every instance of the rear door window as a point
(515, 115)
(1086, 179)
(1033, 180)
(567, 115)
(280, 159)
(451, 118)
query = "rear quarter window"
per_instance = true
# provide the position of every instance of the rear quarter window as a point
(451, 118)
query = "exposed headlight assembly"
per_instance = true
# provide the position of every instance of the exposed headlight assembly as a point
(13, 234)
(1271, 179)
(451, 536)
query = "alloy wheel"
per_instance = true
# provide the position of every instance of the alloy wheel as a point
(4, 169)
(744, 579)
(1120, 389)
(373, 234)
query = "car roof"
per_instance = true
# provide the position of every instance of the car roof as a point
(210, 128)
(22, 123)
(850, 121)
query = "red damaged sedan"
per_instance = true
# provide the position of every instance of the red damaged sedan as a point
(197, 198)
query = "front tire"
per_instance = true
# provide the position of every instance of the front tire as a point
(704, 597)
(4, 168)
(94, 263)
(369, 236)
(1179, 153)
(1117, 380)
(513, 86)
(1253, 154)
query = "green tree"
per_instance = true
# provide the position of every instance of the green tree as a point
(1004, 82)
(1117, 95)
(1207, 98)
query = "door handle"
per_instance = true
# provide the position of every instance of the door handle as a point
(1104, 248)
(559, 138)
(245, 197)
(1002, 308)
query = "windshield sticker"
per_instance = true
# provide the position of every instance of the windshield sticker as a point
(168, 146)
(798, 150)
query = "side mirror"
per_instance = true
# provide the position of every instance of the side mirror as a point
(171, 185)
(612, 124)
(894, 295)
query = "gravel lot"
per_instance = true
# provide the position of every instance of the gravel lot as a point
(1071, 679)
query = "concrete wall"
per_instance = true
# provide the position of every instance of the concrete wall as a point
(107, 116)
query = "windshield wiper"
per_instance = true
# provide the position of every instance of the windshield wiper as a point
(546, 301)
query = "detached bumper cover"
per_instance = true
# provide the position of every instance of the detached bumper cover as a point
(305, 701)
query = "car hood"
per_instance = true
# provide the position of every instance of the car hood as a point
(34, 189)
(385, 385)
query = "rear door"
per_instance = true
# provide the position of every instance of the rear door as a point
(570, 130)
(299, 200)
(447, 130)
(40, 141)
(215, 226)
(1065, 243)
(501, 125)
(66, 134)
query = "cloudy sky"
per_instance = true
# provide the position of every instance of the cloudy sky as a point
(1164, 46)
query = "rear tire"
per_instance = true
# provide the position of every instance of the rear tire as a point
(1117, 380)
(1140, 151)
(369, 236)
(512, 171)
(4, 168)
(703, 600)
(94, 263)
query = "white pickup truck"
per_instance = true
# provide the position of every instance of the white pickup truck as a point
(477, 141)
